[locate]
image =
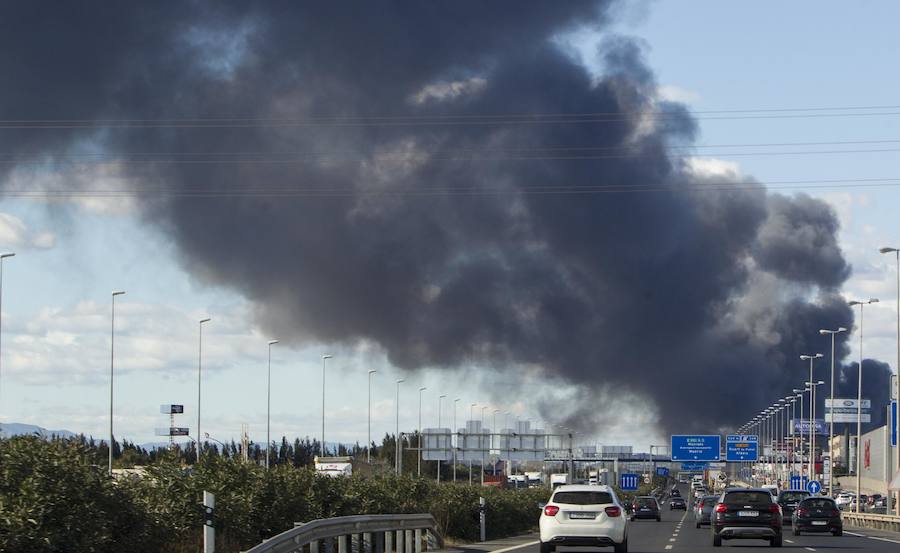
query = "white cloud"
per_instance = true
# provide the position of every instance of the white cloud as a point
(15, 233)
(673, 93)
(102, 188)
(448, 90)
(713, 167)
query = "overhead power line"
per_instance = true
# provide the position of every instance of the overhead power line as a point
(450, 120)
(195, 191)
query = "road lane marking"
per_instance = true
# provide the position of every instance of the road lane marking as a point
(668, 547)
(789, 541)
(882, 539)
(520, 546)
(809, 548)
(671, 539)
(854, 534)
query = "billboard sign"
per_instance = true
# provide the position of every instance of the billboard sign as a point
(696, 448)
(169, 409)
(845, 410)
(741, 447)
(173, 431)
(802, 426)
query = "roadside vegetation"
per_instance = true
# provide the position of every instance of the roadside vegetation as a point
(55, 496)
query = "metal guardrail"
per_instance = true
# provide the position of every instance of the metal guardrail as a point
(358, 534)
(871, 520)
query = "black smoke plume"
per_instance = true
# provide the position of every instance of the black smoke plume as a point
(443, 179)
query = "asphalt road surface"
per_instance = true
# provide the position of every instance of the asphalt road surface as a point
(677, 533)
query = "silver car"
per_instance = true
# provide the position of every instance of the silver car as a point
(703, 509)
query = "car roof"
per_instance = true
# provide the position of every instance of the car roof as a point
(760, 490)
(582, 488)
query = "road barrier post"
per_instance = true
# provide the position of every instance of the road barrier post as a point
(481, 518)
(209, 531)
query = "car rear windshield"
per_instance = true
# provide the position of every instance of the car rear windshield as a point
(792, 496)
(582, 498)
(710, 500)
(748, 497)
(646, 502)
(818, 503)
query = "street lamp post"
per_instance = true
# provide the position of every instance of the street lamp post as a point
(455, 430)
(112, 349)
(832, 333)
(2, 257)
(812, 414)
(199, 375)
(269, 403)
(440, 401)
(419, 455)
(896, 252)
(861, 304)
(369, 444)
(397, 435)
(324, 357)
(472, 419)
(800, 433)
(812, 397)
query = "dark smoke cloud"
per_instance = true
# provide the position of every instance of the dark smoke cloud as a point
(696, 304)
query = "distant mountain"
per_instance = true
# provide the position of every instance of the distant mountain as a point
(8, 429)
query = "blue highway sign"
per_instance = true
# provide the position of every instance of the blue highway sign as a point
(813, 487)
(799, 482)
(696, 448)
(630, 482)
(662, 471)
(693, 467)
(741, 447)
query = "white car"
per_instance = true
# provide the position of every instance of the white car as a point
(584, 516)
(845, 499)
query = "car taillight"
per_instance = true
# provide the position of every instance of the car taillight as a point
(613, 512)
(774, 508)
(835, 513)
(721, 508)
(551, 510)
(802, 512)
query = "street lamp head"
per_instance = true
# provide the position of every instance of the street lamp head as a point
(457, 399)
(442, 396)
(423, 388)
(399, 380)
(272, 342)
(372, 371)
(841, 329)
(888, 250)
(118, 292)
(819, 383)
(327, 356)
(206, 320)
(873, 300)
(5, 255)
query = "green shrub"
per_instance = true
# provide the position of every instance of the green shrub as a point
(54, 497)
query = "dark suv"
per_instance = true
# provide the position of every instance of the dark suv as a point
(746, 513)
(645, 506)
(788, 501)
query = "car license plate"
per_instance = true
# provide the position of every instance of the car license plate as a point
(819, 522)
(748, 513)
(582, 515)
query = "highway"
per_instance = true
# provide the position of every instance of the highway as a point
(677, 533)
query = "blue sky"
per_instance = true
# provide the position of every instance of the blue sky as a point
(712, 55)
